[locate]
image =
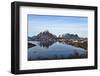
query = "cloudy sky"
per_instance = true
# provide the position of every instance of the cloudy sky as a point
(58, 25)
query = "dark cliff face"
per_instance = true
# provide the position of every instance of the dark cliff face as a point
(70, 36)
(42, 36)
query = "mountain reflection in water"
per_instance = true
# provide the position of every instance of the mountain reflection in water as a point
(46, 44)
(49, 50)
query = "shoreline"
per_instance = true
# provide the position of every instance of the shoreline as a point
(73, 42)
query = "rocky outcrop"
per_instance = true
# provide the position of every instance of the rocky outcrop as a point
(70, 36)
(44, 36)
(31, 45)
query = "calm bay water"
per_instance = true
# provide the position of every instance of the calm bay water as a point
(55, 50)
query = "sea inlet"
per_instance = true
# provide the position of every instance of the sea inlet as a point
(54, 50)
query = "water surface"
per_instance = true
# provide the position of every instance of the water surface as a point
(54, 50)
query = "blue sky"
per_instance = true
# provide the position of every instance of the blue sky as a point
(58, 25)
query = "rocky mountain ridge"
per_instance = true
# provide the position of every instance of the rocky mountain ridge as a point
(46, 35)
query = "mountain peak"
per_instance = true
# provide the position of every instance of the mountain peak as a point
(45, 35)
(46, 31)
(70, 36)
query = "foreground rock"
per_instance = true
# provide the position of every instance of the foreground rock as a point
(31, 45)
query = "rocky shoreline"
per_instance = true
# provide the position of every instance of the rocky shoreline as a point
(76, 42)
(31, 45)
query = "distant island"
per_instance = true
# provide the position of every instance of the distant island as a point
(49, 38)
